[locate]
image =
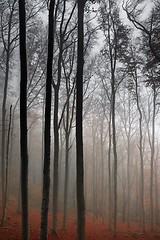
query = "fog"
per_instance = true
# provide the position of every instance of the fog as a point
(121, 143)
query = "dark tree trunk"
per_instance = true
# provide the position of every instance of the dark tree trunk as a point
(23, 122)
(79, 125)
(46, 169)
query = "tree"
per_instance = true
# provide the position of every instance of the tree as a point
(23, 122)
(133, 64)
(79, 125)
(61, 40)
(116, 40)
(7, 167)
(151, 138)
(47, 127)
(150, 27)
(8, 40)
(127, 117)
(9, 43)
(68, 122)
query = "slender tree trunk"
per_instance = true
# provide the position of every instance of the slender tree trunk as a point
(7, 167)
(156, 194)
(56, 163)
(23, 122)
(79, 125)
(11, 148)
(102, 177)
(56, 133)
(3, 176)
(115, 163)
(128, 160)
(43, 124)
(18, 210)
(85, 176)
(47, 141)
(128, 181)
(152, 158)
(7, 51)
(109, 176)
(66, 185)
(66, 167)
(94, 204)
(137, 195)
(124, 205)
(142, 216)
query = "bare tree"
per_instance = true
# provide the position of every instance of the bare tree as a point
(8, 40)
(47, 127)
(23, 122)
(133, 10)
(61, 39)
(79, 125)
(115, 41)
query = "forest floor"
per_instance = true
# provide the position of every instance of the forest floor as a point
(94, 230)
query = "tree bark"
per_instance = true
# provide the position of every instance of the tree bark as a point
(23, 122)
(79, 125)
(46, 169)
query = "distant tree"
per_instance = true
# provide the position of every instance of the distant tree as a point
(7, 166)
(133, 64)
(8, 37)
(68, 124)
(23, 122)
(151, 126)
(62, 34)
(128, 117)
(150, 47)
(116, 41)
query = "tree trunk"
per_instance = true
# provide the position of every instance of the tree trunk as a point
(128, 160)
(102, 176)
(152, 157)
(79, 125)
(7, 167)
(48, 99)
(115, 163)
(3, 176)
(94, 186)
(156, 193)
(56, 163)
(66, 165)
(142, 217)
(109, 176)
(23, 122)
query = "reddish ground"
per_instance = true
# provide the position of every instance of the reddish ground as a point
(95, 231)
